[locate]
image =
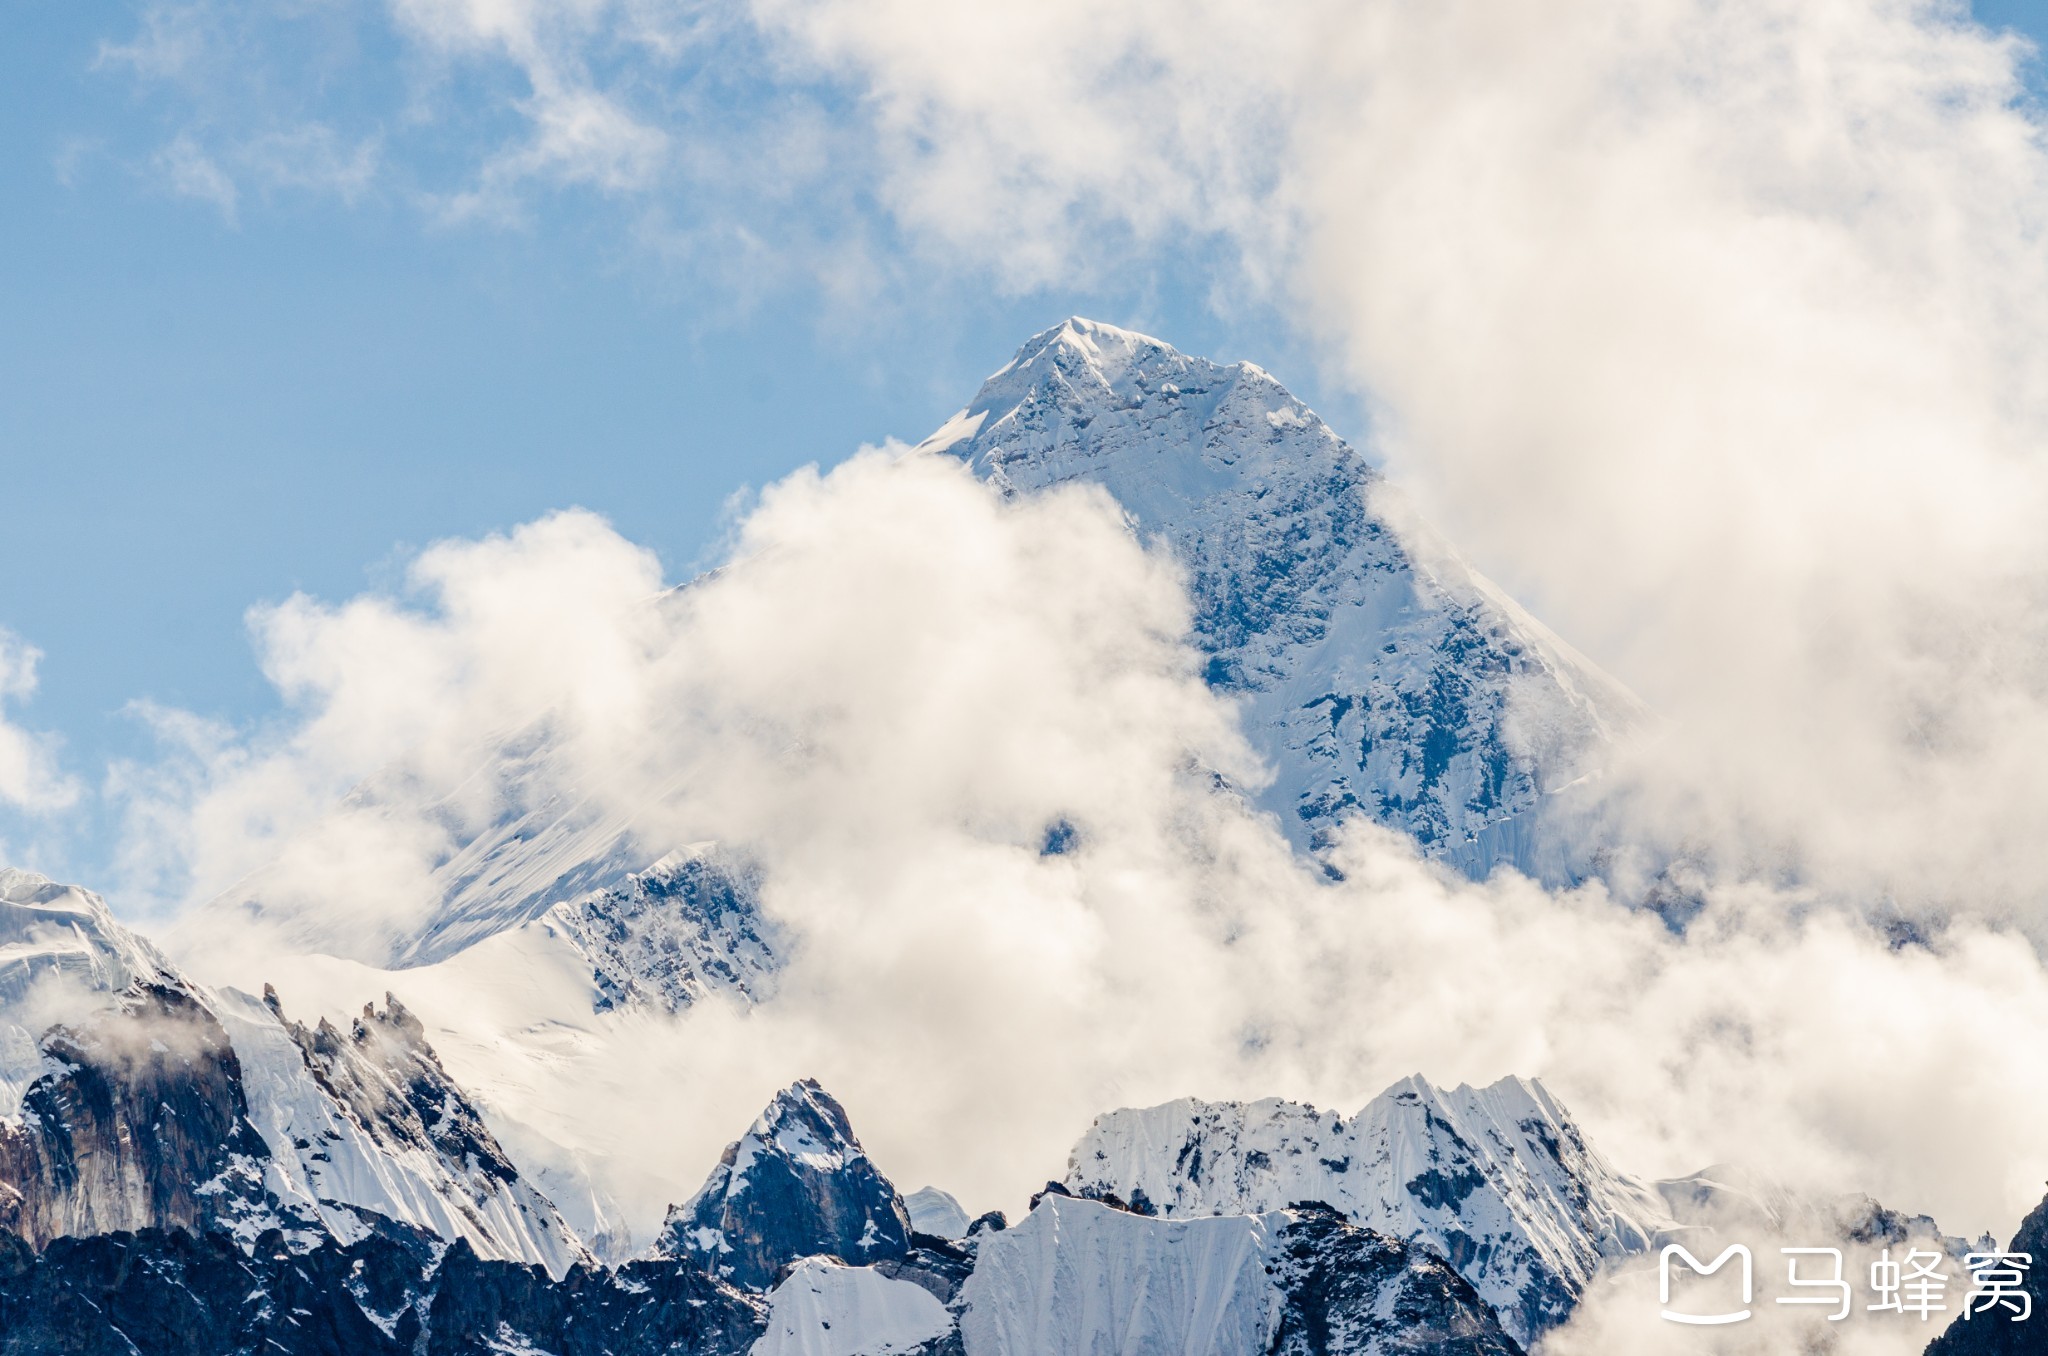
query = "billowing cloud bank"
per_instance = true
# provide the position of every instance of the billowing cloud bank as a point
(1713, 330)
(899, 683)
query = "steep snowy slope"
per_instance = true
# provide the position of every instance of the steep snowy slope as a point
(1077, 1276)
(826, 1309)
(1498, 1179)
(1082, 1277)
(365, 1120)
(1383, 675)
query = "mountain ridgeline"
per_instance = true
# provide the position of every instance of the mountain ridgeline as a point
(186, 1169)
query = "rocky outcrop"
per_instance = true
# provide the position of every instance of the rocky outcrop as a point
(1348, 1291)
(665, 938)
(139, 1123)
(797, 1184)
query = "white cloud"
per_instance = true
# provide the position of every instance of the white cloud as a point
(886, 698)
(30, 778)
(191, 172)
(1715, 330)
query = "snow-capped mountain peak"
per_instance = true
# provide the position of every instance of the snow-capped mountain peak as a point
(1499, 1180)
(797, 1184)
(1383, 676)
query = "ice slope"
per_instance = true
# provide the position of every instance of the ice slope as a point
(1084, 1277)
(1382, 674)
(936, 1212)
(823, 1308)
(1080, 1277)
(366, 1120)
(1497, 1179)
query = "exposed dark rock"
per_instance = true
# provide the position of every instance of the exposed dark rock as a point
(1350, 1291)
(142, 1124)
(798, 1184)
(939, 1265)
(1994, 1333)
(168, 1293)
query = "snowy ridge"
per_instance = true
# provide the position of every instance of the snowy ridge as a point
(1383, 675)
(366, 1121)
(688, 926)
(1498, 1179)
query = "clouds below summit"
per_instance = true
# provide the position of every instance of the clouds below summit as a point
(897, 685)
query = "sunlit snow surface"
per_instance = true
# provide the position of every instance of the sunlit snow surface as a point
(825, 1309)
(1383, 676)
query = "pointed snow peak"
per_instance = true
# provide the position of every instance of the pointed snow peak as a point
(797, 1184)
(805, 1121)
(1078, 344)
(1084, 398)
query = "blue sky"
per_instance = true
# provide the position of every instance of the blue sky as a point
(205, 404)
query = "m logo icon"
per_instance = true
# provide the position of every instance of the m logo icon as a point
(1704, 1269)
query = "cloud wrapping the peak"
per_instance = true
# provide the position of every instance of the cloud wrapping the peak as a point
(897, 685)
(1713, 330)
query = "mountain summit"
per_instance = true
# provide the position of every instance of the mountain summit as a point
(1382, 674)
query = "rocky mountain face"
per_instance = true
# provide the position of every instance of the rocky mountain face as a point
(1383, 676)
(796, 1184)
(139, 1122)
(161, 1104)
(1498, 1180)
(171, 1293)
(364, 1120)
(63, 959)
(1350, 1290)
(664, 938)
